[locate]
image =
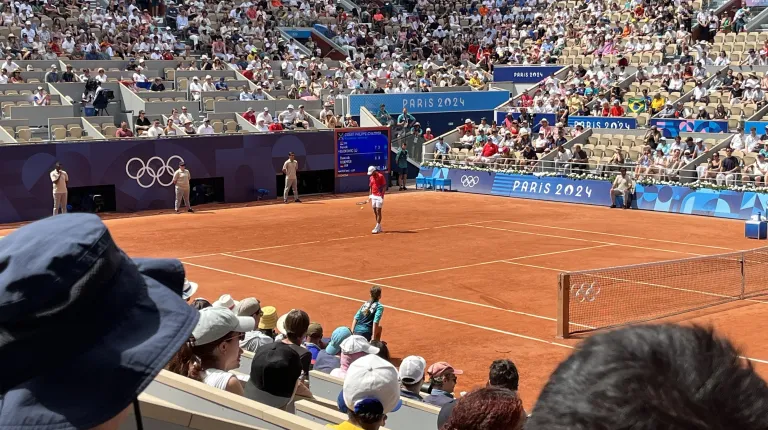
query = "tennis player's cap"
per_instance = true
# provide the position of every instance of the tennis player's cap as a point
(371, 169)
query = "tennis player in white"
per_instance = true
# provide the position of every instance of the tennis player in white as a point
(377, 184)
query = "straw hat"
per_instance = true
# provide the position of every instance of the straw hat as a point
(268, 318)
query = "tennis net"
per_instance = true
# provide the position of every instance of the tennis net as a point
(615, 296)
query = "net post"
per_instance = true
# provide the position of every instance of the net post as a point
(563, 305)
(743, 275)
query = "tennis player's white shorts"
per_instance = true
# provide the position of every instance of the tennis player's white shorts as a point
(377, 201)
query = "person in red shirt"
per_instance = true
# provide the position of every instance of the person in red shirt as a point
(468, 127)
(276, 126)
(250, 116)
(616, 109)
(377, 185)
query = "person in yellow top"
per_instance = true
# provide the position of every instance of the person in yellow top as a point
(371, 391)
(475, 80)
(574, 101)
(657, 102)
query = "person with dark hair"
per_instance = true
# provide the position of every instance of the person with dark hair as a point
(293, 326)
(503, 374)
(125, 318)
(200, 303)
(490, 408)
(275, 376)
(314, 341)
(213, 349)
(367, 318)
(653, 377)
(383, 349)
(370, 392)
(412, 377)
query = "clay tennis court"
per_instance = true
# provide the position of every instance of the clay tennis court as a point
(466, 278)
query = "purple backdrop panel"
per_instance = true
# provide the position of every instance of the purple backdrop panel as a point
(142, 170)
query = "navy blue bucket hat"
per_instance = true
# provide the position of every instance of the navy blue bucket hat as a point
(83, 328)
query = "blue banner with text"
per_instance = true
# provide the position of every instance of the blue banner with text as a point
(523, 74)
(760, 127)
(550, 188)
(673, 127)
(459, 101)
(618, 123)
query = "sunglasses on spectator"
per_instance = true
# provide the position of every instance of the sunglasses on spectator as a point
(240, 337)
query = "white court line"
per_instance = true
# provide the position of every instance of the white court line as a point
(452, 299)
(487, 262)
(647, 248)
(650, 284)
(612, 234)
(508, 333)
(453, 321)
(314, 242)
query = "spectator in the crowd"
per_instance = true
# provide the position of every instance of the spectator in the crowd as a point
(428, 134)
(442, 381)
(314, 340)
(44, 286)
(729, 169)
(248, 307)
(622, 186)
(412, 377)
(489, 408)
(442, 149)
(261, 126)
(329, 358)
(221, 85)
(275, 376)
(405, 121)
(123, 131)
(383, 349)
(157, 85)
(367, 320)
(250, 116)
(758, 171)
(195, 89)
(264, 332)
(170, 128)
(214, 349)
(188, 128)
(185, 116)
(142, 124)
(156, 130)
(752, 141)
(352, 348)
(200, 303)
(293, 326)
(205, 128)
(52, 76)
(208, 84)
(615, 379)
(266, 116)
(370, 392)
(579, 162)
(288, 118)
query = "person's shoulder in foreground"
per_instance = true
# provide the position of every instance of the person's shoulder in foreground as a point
(85, 328)
(653, 377)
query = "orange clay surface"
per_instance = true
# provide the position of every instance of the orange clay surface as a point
(466, 278)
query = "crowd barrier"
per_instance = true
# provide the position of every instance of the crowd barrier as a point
(659, 198)
(141, 170)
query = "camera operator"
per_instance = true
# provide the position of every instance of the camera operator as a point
(89, 95)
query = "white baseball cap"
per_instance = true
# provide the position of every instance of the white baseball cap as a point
(216, 322)
(225, 301)
(355, 344)
(371, 169)
(370, 386)
(412, 369)
(290, 107)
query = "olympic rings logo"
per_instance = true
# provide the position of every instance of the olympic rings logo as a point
(585, 292)
(155, 168)
(469, 181)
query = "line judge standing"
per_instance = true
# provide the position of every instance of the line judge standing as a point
(59, 178)
(181, 179)
(290, 167)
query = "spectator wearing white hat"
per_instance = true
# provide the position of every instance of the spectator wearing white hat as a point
(353, 348)
(266, 116)
(214, 349)
(442, 381)
(195, 89)
(288, 117)
(369, 393)
(205, 128)
(225, 301)
(412, 376)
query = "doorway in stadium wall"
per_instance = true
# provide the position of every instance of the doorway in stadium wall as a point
(310, 183)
